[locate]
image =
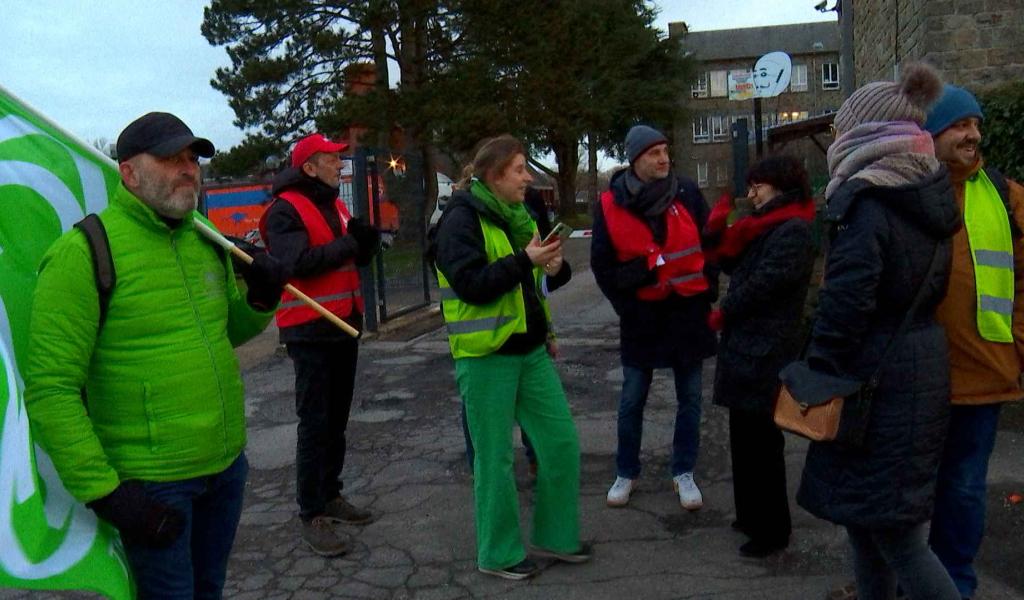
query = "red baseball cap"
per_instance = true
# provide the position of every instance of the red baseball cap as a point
(310, 145)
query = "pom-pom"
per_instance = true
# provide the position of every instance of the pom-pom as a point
(921, 85)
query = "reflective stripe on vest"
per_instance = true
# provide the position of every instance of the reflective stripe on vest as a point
(323, 299)
(991, 243)
(480, 329)
(474, 325)
(337, 290)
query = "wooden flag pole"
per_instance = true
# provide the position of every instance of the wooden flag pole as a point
(225, 243)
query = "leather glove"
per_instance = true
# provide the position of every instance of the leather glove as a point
(140, 519)
(367, 236)
(265, 278)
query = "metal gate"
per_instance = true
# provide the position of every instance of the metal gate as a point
(388, 190)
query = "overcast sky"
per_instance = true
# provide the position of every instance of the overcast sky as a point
(92, 66)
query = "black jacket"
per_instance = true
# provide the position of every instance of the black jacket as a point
(288, 241)
(763, 311)
(883, 243)
(462, 257)
(662, 333)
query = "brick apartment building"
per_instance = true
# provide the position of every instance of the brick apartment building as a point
(702, 140)
(975, 43)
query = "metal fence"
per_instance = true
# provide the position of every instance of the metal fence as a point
(388, 189)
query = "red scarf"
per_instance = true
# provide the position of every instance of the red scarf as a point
(733, 239)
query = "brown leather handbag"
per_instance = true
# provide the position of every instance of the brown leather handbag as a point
(823, 407)
(811, 404)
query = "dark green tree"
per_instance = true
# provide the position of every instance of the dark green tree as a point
(248, 158)
(292, 60)
(557, 71)
(1002, 131)
(549, 72)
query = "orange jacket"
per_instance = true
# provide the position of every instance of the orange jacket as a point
(982, 372)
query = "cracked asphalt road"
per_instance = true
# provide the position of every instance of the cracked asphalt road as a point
(406, 462)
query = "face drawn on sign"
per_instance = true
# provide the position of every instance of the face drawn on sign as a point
(771, 74)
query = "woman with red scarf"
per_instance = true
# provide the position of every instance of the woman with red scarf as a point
(764, 243)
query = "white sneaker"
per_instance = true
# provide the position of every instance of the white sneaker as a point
(620, 491)
(689, 493)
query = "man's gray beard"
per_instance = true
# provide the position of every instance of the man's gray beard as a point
(171, 204)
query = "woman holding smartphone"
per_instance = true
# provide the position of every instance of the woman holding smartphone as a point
(492, 268)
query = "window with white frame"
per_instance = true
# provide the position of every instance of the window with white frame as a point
(719, 83)
(830, 76)
(798, 79)
(721, 173)
(699, 88)
(700, 130)
(719, 128)
(702, 174)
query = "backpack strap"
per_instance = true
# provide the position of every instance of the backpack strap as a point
(999, 180)
(102, 260)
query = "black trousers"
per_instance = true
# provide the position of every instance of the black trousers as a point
(324, 379)
(759, 476)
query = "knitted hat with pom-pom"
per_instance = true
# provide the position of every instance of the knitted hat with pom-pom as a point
(905, 100)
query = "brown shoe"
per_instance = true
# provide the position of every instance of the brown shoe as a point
(321, 537)
(340, 511)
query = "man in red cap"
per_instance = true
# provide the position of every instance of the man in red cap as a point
(308, 228)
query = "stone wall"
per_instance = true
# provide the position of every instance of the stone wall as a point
(975, 43)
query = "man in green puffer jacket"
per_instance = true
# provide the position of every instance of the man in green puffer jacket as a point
(156, 445)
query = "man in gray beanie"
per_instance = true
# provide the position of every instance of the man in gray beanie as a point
(646, 257)
(986, 338)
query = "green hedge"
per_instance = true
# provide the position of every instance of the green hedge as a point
(1002, 140)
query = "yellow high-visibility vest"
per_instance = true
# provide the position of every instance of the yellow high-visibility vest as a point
(991, 243)
(481, 329)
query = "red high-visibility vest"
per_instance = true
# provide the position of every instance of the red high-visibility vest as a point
(683, 271)
(337, 290)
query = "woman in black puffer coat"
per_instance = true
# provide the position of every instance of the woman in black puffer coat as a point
(764, 242)
(891, 211)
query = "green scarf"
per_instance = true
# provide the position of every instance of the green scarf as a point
(513, 215)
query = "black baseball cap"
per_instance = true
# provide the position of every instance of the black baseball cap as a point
(160, 134)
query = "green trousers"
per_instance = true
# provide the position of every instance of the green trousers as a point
(499, 390)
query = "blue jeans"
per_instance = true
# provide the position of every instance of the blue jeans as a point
(686, 438)
(959, 519)
(881, 558)
(195, 566)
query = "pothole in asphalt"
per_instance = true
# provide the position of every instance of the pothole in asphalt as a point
(377, 416)
(391, 398)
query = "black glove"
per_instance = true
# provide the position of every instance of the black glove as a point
(140, 519)
(343, 248)
(265, 278)
(367, 236)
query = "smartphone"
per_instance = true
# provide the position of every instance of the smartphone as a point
(560, 230)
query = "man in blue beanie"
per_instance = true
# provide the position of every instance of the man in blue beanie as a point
(984, 322)
(646, 257)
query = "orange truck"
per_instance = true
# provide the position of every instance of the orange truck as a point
(235, 208)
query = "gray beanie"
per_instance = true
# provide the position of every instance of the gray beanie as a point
(905, 100)
(640, 139)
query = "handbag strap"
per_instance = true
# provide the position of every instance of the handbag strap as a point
(872, 382)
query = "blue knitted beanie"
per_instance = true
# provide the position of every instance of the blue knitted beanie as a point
(956, 103)
(640, 139)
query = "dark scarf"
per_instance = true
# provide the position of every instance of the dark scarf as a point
(727, 240)
(649, 200)
(316, 190)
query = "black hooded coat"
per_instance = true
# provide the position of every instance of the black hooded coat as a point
(881, 247)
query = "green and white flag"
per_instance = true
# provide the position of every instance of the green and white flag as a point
(48, 181)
